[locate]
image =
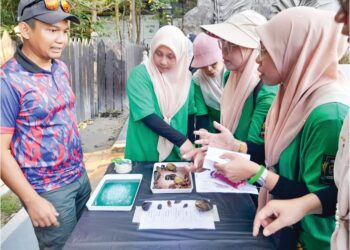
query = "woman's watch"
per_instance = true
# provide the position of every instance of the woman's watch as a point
(241, 146)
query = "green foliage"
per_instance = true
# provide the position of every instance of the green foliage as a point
(8, 15)
(82, 30)
(80, 8)
(179, 8)
(10, 204)
(83, 10)
(157, 5)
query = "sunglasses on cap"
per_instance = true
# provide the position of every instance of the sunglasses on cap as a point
(50, 5)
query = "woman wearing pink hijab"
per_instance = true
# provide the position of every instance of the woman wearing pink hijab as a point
(281, 213)
(300, 48)
(208, 80)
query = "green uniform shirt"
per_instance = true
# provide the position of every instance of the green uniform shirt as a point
(310, 159)
(141, 141)
(192, 109)
(203, 109)
(251, 125)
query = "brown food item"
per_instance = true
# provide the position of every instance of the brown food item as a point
(146, 205)
(170, 179)
(204, 205)
(179, 180)
(171, 167)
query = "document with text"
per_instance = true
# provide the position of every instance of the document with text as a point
(164, 214)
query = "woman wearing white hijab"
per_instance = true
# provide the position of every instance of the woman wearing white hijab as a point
(158, 92)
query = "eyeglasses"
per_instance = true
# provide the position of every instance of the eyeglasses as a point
(226, 47)
(50, 5)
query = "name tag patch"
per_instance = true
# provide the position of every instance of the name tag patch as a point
(262, 131)
(327, 174)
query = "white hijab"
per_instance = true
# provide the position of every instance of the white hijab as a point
(172, 87)
(211, 87)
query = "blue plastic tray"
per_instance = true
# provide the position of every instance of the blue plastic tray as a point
(115, 192)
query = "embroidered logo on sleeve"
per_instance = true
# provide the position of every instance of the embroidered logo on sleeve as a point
(327, 174)
(262, 131)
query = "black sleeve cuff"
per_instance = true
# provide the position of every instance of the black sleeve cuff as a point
(160, 127)
(328, 198)
(288, 189)
(257, 152)
(202, 121)
(190, 128)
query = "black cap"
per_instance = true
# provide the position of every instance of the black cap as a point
(41, 13)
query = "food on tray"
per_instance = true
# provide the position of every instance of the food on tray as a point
(169, 176)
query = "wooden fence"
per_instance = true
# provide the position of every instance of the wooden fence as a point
(99, 71)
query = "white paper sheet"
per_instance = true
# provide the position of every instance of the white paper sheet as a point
(207, 184)
(176, 217)
(138, 212)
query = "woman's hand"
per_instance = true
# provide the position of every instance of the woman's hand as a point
(237, 168)
(186, 147)
(224, 139)
(197, 156)
(278, 214)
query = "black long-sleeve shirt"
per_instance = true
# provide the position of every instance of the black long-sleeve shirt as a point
(160, 127)
(289, 189)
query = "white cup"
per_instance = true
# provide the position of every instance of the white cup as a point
(124, 167)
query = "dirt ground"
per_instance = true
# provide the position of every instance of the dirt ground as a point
(98, 136)
(100, 133)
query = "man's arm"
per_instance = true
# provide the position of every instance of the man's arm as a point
(41, 212)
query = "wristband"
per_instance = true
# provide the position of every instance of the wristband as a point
(262, 180)
(253, 179)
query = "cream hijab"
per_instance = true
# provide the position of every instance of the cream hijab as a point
(240, 84)
(305, 45)
(340, 237)
(172, 87)
(238, 88)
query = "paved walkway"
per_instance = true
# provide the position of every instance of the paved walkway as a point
(96, 163)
